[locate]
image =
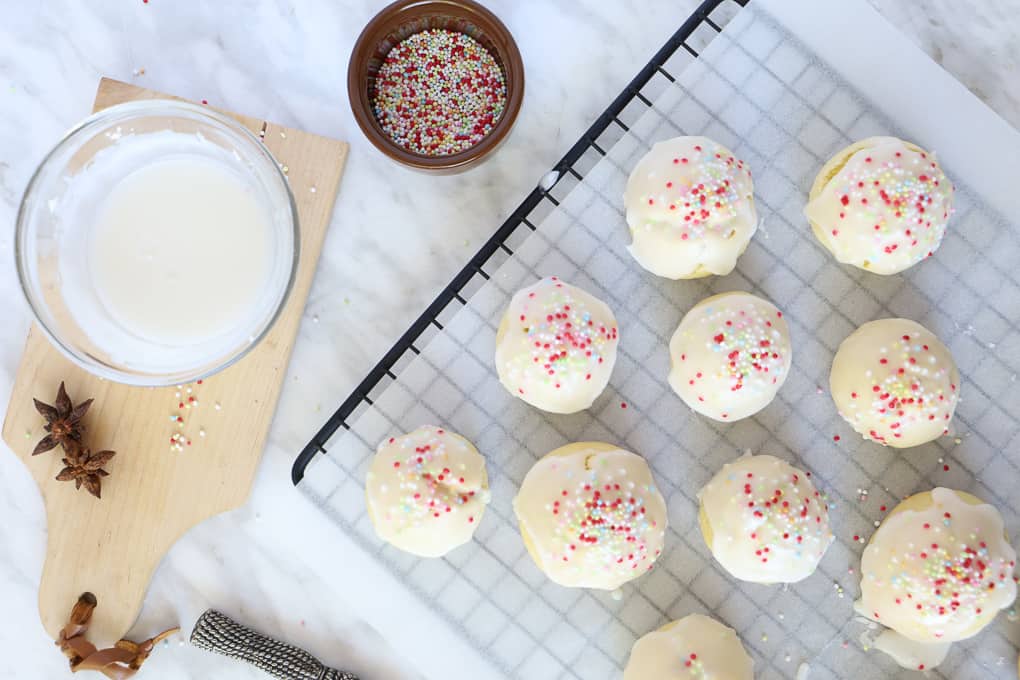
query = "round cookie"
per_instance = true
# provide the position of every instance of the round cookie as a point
(426, 491)
(895, 383)
(690, 208)
(591, 516)
(695, 646)
(764, 521)
(881, 204)
(939, 568)
(729, 356)
(556, 346)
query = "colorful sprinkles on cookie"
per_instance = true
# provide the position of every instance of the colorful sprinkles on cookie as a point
(557, 346)
(438, 92)
(730, 355)
(605, 514)
(693, 664)
(695, 647)
(768, 522)
(896, 384)
(591, 515)
(701, 193)
(886, 208)
(426, 490)
(427, 486)
(690, 208)
(939, 573)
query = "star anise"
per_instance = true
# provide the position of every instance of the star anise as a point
(85, 467)
(63, 422)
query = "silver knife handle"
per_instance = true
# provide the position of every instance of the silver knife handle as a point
(219, 633)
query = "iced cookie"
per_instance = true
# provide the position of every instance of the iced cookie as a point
(426, 491)
(729, 356)
(895, 383)
(764, 521)
(695, 646)
(881, 204)
(591, 515)
(937, 570)
(690, 208)
(556, 346)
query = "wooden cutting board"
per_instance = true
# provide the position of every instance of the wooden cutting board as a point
(153, 495)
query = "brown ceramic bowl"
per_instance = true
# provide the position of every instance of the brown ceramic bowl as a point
(407, 17)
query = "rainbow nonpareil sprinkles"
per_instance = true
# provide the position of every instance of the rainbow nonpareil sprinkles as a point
(426, 490)
(895, 383)
(557, 346)
(938, 568)
(767, 522)
(592, 516)
(730, 355)
(438, 93)
(881, 205)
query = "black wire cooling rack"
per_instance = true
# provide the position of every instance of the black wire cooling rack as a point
(709, 18)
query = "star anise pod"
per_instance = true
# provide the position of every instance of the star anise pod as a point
(63, 422)
(85, 467)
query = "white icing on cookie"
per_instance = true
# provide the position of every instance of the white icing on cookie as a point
(591, 515)
(695, 647)
(729, 356)
(556, 346)
(881, 204)
(939, 573)
(917, 656)
(764, 520)
(426, 491)
(690, 208)
(895, 383)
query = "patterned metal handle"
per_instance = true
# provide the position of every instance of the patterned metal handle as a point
(219, 633)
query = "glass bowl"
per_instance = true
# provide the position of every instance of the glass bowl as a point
(72, 270)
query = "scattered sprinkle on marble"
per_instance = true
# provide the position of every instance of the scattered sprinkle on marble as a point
(438, 92)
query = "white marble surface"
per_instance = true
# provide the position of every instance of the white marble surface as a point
(270, 562)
